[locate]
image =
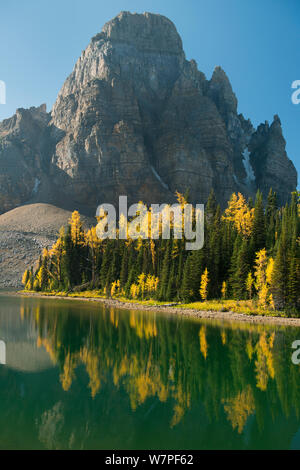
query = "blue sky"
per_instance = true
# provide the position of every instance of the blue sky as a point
(257, 42)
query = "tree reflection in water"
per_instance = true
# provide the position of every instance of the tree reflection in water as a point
(236, 369)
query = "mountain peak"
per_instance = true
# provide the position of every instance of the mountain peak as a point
(148, 31)
(220, 90)
(135, 117)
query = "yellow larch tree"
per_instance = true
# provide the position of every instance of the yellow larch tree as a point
(263, 277)
(240, 215)
(25, 277)
(224, 290)
(249, 284)
(76, 228)
(204, 285)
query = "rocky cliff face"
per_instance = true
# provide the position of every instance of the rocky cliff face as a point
(22, 159)
(135, 117)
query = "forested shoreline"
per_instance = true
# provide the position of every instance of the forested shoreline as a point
(251, 252)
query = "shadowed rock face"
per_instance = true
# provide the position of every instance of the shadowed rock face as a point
(22, 155)
(135, 117)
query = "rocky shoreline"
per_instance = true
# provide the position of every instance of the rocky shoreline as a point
(211, 315)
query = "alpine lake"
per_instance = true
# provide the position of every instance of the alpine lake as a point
(80, 375)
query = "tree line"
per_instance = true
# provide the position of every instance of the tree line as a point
(251, 251)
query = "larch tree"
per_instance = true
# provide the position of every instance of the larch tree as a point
(204, 285)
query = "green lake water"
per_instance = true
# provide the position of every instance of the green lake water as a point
(79, 375)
